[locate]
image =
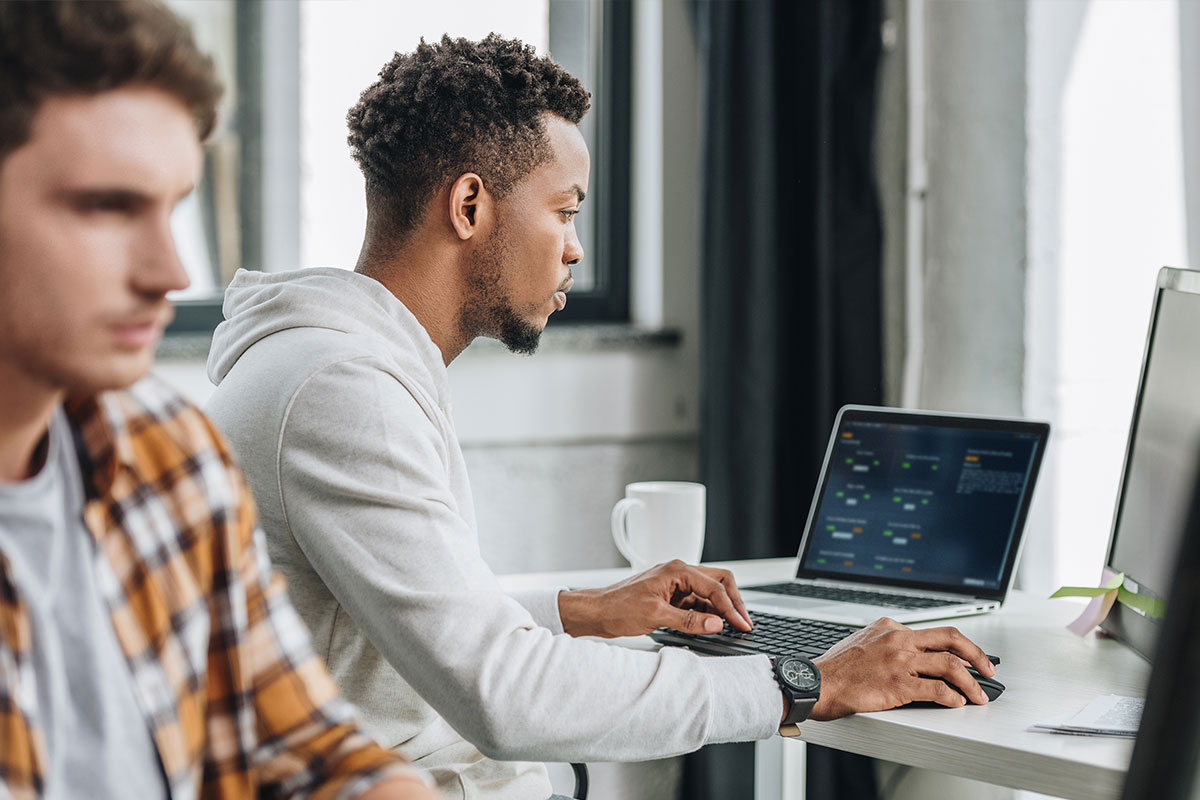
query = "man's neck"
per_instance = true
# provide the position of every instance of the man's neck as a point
(26, 406)
(428, 283)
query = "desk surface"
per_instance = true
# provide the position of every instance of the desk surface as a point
(1049, 673)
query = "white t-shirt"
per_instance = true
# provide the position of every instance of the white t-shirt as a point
(98, 744)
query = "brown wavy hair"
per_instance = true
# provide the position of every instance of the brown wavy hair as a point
(85, 47)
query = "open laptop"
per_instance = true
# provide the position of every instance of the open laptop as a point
(917, 516)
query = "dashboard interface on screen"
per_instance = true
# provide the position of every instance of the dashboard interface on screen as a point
(922, 503)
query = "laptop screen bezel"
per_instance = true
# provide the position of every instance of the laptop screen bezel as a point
(850, 414)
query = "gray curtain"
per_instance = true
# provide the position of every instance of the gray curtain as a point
(791, 289)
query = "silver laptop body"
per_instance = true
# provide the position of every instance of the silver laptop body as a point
(917, 516)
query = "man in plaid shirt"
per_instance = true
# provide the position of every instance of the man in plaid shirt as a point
(146, 648)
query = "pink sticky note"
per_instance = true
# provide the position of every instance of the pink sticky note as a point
(1095, 613)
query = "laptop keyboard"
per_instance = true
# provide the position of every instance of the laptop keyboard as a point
(865, 597)
(773, 635)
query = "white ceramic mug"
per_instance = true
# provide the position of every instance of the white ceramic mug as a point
(657, 521)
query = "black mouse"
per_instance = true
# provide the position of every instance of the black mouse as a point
(991, 687)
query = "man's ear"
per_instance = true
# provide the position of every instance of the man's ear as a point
(470, 206)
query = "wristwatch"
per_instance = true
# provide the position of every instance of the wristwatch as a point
(800, 680)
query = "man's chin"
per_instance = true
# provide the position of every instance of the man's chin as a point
(521, 338)
(117, 371)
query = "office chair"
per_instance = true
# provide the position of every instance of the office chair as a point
(581, 781)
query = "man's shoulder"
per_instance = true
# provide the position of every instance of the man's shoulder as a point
(152, 429)
(158, 464)
(153, 407)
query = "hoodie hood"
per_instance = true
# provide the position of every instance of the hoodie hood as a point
(259, 304)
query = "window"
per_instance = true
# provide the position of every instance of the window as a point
(280, 190)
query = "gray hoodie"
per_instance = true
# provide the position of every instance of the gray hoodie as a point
(337, 404)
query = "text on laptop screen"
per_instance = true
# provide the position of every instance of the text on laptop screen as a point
(921, 503)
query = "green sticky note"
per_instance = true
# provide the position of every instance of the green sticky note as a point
(1149, 606)
(1091, 591)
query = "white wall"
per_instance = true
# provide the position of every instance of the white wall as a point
(1106, 211)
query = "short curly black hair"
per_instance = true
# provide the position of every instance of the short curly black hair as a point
(453, 107)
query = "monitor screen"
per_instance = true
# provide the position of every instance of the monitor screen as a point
(1164, 764)
(923, 499)
(1156, 484)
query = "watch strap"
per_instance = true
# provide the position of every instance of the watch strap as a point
(801, 708)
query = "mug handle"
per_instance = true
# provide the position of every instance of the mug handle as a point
(620, 532)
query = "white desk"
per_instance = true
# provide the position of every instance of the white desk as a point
(1048, 671)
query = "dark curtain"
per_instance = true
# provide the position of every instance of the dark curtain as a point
(791, 290)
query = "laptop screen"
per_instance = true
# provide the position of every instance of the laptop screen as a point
(923, 500)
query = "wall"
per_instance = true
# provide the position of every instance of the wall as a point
(974, 227)
(1106, 197)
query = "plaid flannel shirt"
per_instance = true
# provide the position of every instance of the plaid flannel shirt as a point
(237, 702)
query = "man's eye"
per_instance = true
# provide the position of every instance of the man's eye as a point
(569, 215)
(107, 203)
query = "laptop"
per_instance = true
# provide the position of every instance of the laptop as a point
(918, 516)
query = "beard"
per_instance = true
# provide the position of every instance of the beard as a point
(489, 310)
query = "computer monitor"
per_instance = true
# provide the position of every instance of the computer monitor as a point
(1164, 764)
(1156, 486)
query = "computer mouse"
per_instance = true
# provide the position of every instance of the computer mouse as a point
(991, 687)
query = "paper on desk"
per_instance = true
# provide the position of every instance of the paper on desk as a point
(1111, 715)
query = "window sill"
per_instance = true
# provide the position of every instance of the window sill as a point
(590, 338)
(578, 338)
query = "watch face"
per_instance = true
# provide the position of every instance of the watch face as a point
(799, 673)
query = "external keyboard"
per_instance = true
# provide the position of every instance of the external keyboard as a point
(866, 597)
(772, 635)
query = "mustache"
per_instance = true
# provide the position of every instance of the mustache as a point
(153, 311)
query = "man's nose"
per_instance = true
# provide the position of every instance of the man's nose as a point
(572, 249)
(160, 269)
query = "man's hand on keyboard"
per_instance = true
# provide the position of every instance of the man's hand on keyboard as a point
(884, 665)
(672, 595)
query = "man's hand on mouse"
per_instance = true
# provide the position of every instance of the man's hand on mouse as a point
(886, 665)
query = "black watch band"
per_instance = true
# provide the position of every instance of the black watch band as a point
(800, 680)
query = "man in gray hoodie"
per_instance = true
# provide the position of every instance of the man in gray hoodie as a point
(332, 388)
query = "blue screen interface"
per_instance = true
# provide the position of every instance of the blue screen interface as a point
(921, 503)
